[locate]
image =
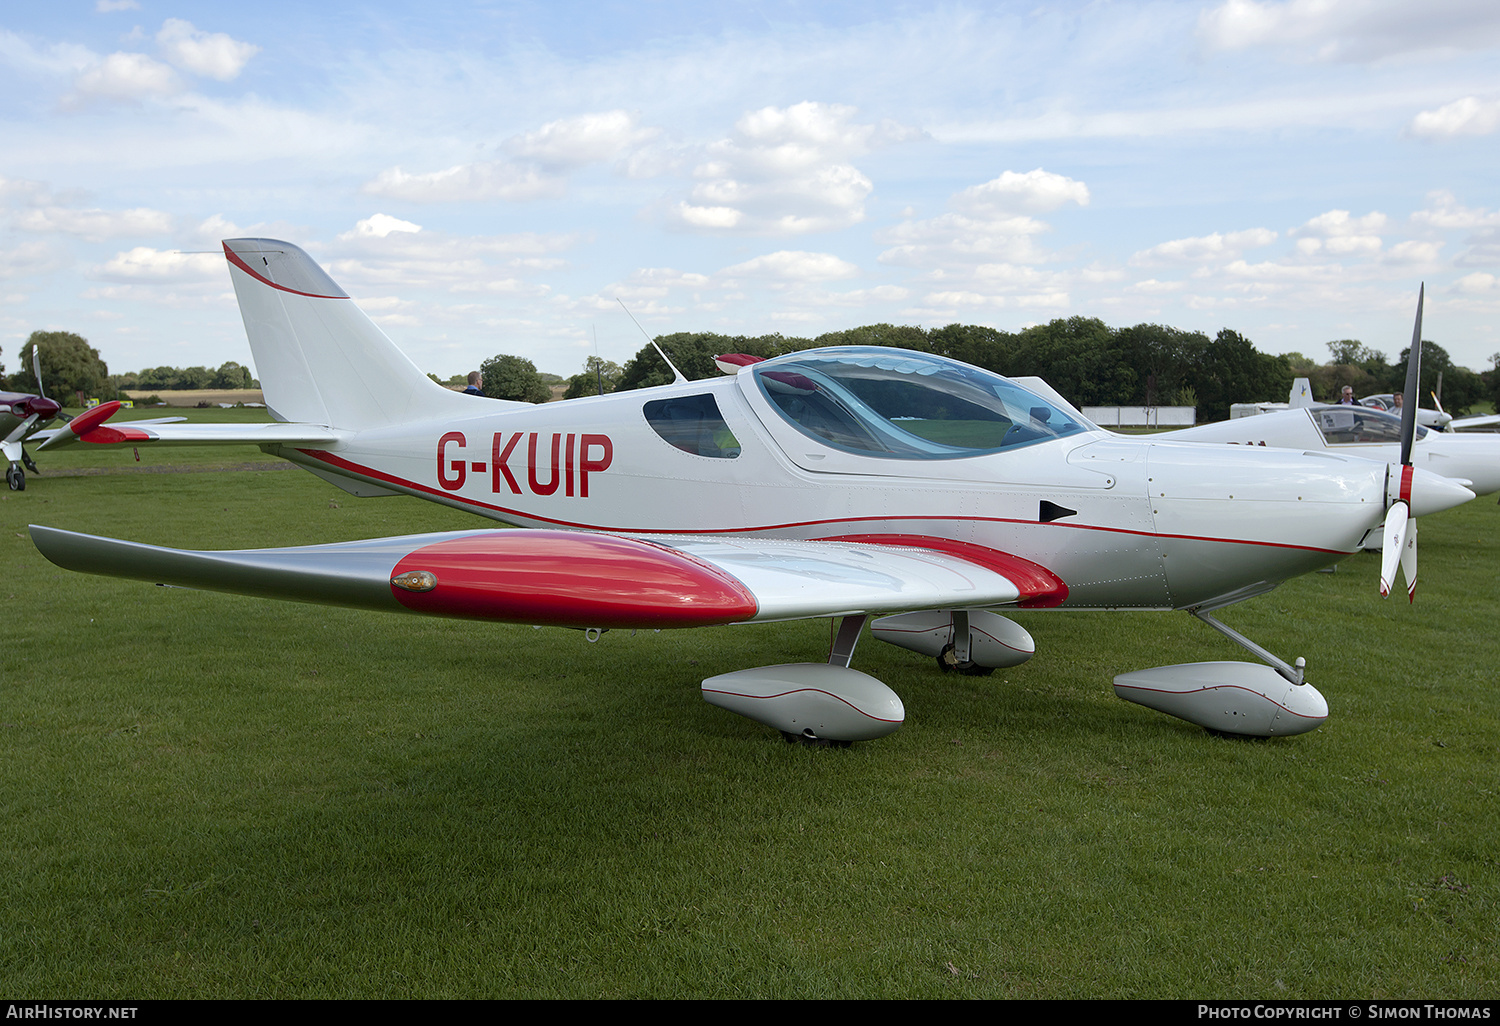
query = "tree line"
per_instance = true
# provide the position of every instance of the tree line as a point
(70, 367)
(1086, 360)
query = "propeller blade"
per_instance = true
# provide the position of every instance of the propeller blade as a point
(36, 368)
(1409, 394)
(1395, 543)
(1409, 560)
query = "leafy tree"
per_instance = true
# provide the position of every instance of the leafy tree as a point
(231, 375)
(1076, 356)
(1233, 371)
(693, 353)
(1329, 380)
(898, 336)
(511, 377)
(598, 377)
(1353, 351)
(989, 348)
(1462, 388)
(1165, 361)
(70, 366)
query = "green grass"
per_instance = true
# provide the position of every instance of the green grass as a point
(211, 796)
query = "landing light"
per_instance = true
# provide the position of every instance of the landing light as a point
(415, 580)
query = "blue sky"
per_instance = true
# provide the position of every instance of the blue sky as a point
(495, 177)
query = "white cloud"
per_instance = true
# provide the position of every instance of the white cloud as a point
(213, 230)
(463, 183)
(144, 263)
(1413, 252)
(955, 240)
(793, 265)
(1480, 283)
(405, 261)
(1444, 211)
(215, 55)
(1204, 248)
(29, 259)
(585, 139)
(667, 277)
(786, 171)
(1336, 233)
(1336, 223)
(709, 217)
(1268, 271)
(1151, 286)
(1034, 192)
(1468, 116)
(379, 226)
(125, 77)
(1350, 30)
(546, 156)
(96, 225)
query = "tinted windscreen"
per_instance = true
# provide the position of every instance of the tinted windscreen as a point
(1348, 425)
(905, 405)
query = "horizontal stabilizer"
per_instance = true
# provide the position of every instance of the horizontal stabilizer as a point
(93, 427)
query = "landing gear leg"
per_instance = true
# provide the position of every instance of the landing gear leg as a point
(843, 635)
(15, 477)
(954, 658)
(842, 638)
(1291, 673)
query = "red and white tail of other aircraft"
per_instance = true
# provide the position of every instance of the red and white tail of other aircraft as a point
(852, 483)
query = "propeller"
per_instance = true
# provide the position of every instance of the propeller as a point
(1400, 544)
(36, 368)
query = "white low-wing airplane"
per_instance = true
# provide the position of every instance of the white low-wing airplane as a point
(1361, 431)
(844, 483)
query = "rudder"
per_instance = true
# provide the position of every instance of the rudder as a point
(319, 358)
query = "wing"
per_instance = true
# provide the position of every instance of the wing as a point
(91, 426)
(578, 579)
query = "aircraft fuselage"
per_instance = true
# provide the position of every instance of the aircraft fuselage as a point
(1125, 523)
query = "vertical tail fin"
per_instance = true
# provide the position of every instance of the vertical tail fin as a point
(320, 360)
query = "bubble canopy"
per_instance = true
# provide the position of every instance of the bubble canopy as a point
(897, 404)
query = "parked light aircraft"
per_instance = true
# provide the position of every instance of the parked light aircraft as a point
(844, 483)
(1364, 431)
(1437, 420)
(21, 416)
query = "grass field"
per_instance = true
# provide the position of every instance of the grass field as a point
(191, 397)
(212, 796)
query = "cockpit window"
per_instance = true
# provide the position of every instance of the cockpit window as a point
(693, 424)
(904, 405)
(1350, 425)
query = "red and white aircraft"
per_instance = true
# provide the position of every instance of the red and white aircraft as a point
(844, 483)
(23, 415)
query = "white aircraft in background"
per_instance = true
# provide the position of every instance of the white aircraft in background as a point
(1437, 420)
(845, 483)
(1364, 431)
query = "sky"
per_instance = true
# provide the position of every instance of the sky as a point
(498, 177)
